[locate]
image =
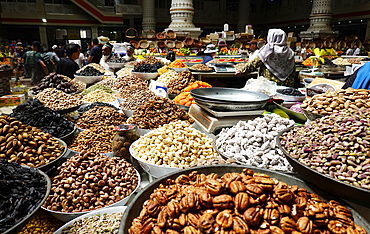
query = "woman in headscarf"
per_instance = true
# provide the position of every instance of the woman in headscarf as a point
(275, 60)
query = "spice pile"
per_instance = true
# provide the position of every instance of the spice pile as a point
(129, 91)
(244, 202)
(336, 145)
(254, 142)
(42, 223)
(156, 112)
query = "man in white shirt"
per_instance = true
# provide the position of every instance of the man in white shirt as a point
(357, 50)
(107, 54)
(54, 55)
(304, 52)
(349, 51)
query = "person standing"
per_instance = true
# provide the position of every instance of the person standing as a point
(29, 63)
(44, 66)
(357, 50)
(253, 50)
(107, 54)
(54, 56)
(81, 57)
(349, 50)
(304, 52)
(60, 52)
(210, 52)
(67, 65)
(95, 53)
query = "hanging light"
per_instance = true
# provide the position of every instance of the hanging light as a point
(44, 20)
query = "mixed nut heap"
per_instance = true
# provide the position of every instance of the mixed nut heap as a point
(129, 80)
(26, 145)
(54, 81)
(101, 116)
(334, 101)
(137, 99)
(180, 82)
(57, 100)
(130, 90)
(239, 203)
(337, 145)
(90, 181)
(97, 139)
(21, 190)
(156, 112)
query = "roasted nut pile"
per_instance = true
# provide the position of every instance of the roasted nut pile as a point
(239, 204)
(337, 146)
(129, 91)
(148, 60)
(76, 83)
(167, 77)
(213, 161)
(34, 113)
(176, 144)
(183, 80)
(137, 99)
(57, 100)
(334, 101)
(97, 139)
(26, 145)
(126, 71)
(201, 67)
(109, 82)
(96, 87)
(99, 95)
(42, 223)
(254, 142)
(101, 116)
(84, 108)
(21, 190)
(127, 81)
(105, 223)
(90, 181)
(158, 111)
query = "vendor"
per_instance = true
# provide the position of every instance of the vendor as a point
(210, 52)
(253, 50)
(67, 65)
(129, 53)
(349, 50)
(304, 52)
(357, 50)
(107, 54)
(360, 79)
(274, 61)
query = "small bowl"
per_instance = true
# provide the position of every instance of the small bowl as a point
(153, 170)
(186, 108)
(128, 113)
(290, 98)
(89, 79)
(101, 211)
(116, 65)
(307, 81)
(179, 69)
(145, 76)
(65, 217)
(67, 136)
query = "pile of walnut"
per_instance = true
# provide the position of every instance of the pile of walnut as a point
(156, 112)
(129, 80)
(180, 82)
(101, 116)
(90, 181)
(27, 145)
(239, 204)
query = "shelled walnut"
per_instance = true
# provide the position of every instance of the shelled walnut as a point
(239, 203)
(180, 82)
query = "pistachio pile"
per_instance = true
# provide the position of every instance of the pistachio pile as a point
(337, 145)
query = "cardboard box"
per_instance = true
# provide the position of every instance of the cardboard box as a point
(12, 100)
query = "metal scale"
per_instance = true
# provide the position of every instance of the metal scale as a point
(217, 108)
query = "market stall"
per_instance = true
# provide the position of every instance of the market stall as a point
(237, 160)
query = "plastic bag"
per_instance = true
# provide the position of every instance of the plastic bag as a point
(261, 85)
(297, 108)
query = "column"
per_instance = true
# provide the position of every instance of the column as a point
(244, 14)
(182, 12)
(94, 32)
(320, 16)
(43, 36)
(367, 35)
(148, 15)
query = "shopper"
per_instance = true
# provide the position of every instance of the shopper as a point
(12, 58)
(29, 63)
(107, 54)
(210, 52)
(274, 61)
(67, 65)
(81, 58)
(44, 65)
(349, 50)
(54, 56)
(61, 51)
(95, 53)
(304, 52)
(357, 50)
(130, 49)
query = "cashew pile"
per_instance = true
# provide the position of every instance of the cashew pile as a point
(176, 144)
(254, 142)
(167, 77)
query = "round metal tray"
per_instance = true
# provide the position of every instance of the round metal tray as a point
(229, 95)
(201, 71)
(311, 116)
(135, 207)
(228, 106)
(46, 167)
(350, 192)
(16, 228)
(65, 137)
(65, 111)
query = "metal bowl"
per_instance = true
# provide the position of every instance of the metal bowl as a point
(68, 110)
(100, 212)
(116, 65)
(311, 116)
(229, 95)
(179, 69)
(89, 79)
(289, 98)
(128, 113)
(135, 207)
(186, 108)
(153, 170)
(65, 137)
(144, 75)
(201, 71)
(46, 167)
(350, 192)
(172, 96)
(65, 217)
(16, 228)
(228, 106)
